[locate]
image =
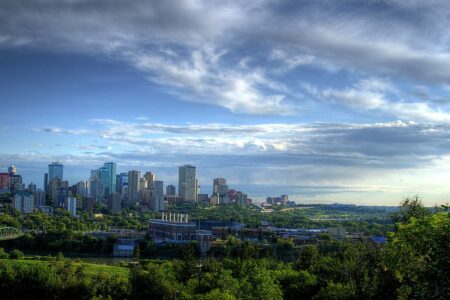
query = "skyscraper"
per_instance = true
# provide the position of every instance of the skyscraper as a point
(115, 204)
(4, 181)
(170, 190)
(121, 181)
(55, 170)
(111, 167)
(187, 183)
(103, 176)
(39, 197)
(149, 176)
(82, 188)
(70, 204)
(157, 203)
(46, 184)
(220, 188)
(31, 187)
(12, 170)
(142, 184)
(58, 189)
(133, 186)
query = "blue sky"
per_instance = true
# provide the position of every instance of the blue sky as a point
(327, 101)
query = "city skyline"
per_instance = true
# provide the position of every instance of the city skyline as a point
(308, 98)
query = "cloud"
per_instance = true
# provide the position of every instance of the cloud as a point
(325, 160)
(379, 145)
(204, 51)
(200, 78)
(290, 61)
(59, 130)
(373, 94)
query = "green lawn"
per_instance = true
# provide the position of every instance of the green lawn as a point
(91, 268)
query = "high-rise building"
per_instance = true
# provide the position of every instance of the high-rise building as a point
(55, 170)
(218, 183)
(133, 186)
(81, 188)
(170, 190)
(31, 187)
(58, 191)
(70, 204)
(142, 184)
(157, 203)
(96, 189)
(220, 188)
(121, 181)
(214, 199)
(15, 183)
(111, 167)
(115, 202)
(4, 182)
(46, 190)
(145, 198)
(39, 197)
(187, 183)
(12, 170)
(24, 202)
(241, 198)
(149, 176)
(103, 176)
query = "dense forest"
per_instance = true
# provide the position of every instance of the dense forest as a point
(414, 264)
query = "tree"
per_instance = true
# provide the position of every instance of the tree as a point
(308, 256)
(418, 255)
(3, 254)
(16, 254)
(409, 208)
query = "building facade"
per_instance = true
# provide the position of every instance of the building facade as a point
(24, 202)
(111, 167)
(187, 183)
(55, 170)
(115, 202)
(70, 204)
(171, 190)
(172, 228)
(133, 187)
(39, 197)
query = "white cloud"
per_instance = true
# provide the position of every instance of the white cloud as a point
(290, 61)
(208, 81)
(373, 94)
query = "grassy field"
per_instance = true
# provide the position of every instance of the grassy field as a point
(90, 268)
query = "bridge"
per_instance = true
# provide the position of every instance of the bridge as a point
(9, 233)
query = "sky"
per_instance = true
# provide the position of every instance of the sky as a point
(326, 101)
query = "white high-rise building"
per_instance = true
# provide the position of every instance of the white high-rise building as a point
(24, 203)
(71, 205)
(187, 183)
